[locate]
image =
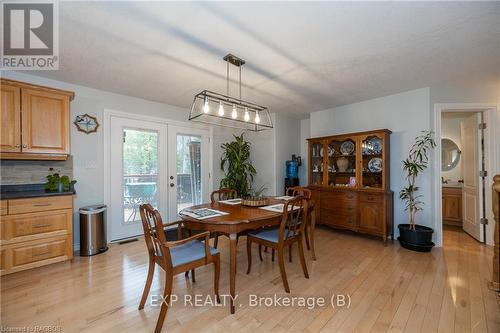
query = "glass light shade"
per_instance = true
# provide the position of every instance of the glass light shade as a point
(234, 114)
(206, 107)
(255, 117)
(221, 109)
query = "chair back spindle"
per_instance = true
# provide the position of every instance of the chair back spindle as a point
(154, 234)
(223, 194)
(294, 213)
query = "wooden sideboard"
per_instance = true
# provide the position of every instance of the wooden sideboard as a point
(35, 122)
(35, 232)
(452, 205)
(349, 180)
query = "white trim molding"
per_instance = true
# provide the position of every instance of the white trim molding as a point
(492, 151)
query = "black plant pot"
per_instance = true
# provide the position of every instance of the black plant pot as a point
(419, 239)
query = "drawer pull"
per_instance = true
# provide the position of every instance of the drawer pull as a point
(41, 225)
(42, 205)
(41, 254)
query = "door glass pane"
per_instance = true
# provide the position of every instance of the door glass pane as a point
(140, 171)
(316, 159)
(188, 171)
(372, 151)
(342, 162)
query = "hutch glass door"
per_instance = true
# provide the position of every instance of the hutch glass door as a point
(372, 150)
(316, 154)
(342, 162)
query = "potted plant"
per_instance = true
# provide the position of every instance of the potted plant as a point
(237, 167)
(57, 183)
(413, 236)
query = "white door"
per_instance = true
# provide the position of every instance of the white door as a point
(188, 169)
(471, 194)
(137, 173)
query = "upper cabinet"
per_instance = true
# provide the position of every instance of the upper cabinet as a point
(35, 122)
(351, 161)
(10, 136)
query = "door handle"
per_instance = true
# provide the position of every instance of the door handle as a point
(172, 184)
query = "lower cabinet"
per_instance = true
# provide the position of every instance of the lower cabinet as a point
(452, 206)
(35, 232)
(360, 211)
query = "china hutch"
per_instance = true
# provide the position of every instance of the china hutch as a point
(349, 178)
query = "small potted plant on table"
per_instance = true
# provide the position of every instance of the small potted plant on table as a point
(413, 236)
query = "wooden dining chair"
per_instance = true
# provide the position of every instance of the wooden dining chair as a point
(218, 195)
(310, 218)
(310, 221)
(173, 257)
(291, 230)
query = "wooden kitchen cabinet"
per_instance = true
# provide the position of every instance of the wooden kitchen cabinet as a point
(37, 122)
(35, 232)
(452, 206)
(10, 138)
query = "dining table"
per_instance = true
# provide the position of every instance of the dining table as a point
(239, 219)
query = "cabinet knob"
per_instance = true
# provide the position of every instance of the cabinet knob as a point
(25, 146)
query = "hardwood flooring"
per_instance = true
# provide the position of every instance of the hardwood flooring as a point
(391, 290)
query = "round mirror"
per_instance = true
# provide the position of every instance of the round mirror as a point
(450, 155)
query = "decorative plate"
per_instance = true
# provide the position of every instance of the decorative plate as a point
(375, 164)
(347, 148)
(372, 146)
(86, 123)
(321, 152)
(331, 151)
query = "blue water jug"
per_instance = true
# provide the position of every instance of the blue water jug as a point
(292, 169)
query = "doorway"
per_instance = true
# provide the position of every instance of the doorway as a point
(464, 164)
(462, 160)
(152, 162)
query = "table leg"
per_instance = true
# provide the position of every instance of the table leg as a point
(232, 268)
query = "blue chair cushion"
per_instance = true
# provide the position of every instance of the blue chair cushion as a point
(189, 252)
(270, 235)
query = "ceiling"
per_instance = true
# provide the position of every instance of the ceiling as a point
(301, 57)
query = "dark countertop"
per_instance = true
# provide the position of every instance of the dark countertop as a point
(28, 191)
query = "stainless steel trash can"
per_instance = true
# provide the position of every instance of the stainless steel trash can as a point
(92, 230)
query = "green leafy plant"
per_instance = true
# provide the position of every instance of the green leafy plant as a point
(237, 167)
(258, 193)
(56, 182)
(416, 162)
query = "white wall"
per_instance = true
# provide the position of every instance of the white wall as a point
(405, 114)
(305, 133)
(287, 134)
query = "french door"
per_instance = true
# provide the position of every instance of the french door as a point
(163, 165)
(189, 168)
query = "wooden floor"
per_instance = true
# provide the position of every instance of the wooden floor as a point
(391, 289)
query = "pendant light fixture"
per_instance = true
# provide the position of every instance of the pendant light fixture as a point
(209, 107)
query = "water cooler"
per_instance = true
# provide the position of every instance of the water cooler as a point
(292, 172)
